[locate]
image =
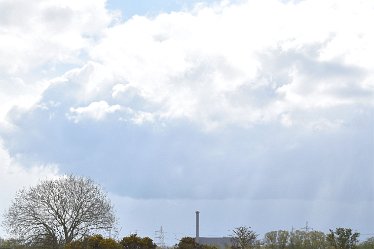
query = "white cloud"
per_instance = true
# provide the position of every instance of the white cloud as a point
(142, 117)
(95, 110)
(119, 88)
(195, 65)
(33, 34)
(284, 87)
(217, 65)
(39, 39)
(26, 44)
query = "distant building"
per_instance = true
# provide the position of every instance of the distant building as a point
(221, 243)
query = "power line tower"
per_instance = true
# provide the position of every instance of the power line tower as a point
(160, 236)
(306, 228)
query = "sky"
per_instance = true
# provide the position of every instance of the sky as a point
(254, 112)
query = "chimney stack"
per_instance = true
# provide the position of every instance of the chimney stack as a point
(197, 227)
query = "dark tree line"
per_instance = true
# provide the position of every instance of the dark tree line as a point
(340, 238)
(132, 241)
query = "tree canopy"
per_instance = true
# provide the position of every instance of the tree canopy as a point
(343, 238)
(59, 211)
(244, 238)
(190, 243)
(94, 242)
(135, 242)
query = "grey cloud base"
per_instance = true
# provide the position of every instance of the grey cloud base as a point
(178, 160)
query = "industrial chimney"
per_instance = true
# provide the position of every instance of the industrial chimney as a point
(197, 227)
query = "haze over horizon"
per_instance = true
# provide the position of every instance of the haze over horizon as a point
(255, 112)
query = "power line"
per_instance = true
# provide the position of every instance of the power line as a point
(160, 235)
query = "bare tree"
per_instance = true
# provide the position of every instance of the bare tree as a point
(59, 211)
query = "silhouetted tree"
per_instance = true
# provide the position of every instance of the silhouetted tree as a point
(343, 238)
(135, 242)
(190, 243)
(58, 211)
(244, 238)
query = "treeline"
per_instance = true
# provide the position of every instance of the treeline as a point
(50, 216)
(89, 242)
(340, 238)
(242, 238)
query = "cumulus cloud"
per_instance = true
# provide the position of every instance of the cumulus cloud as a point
(95, 110)
(217, 65)
(195, 65)
(251, 65)
(251, 100)
(39, 40)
